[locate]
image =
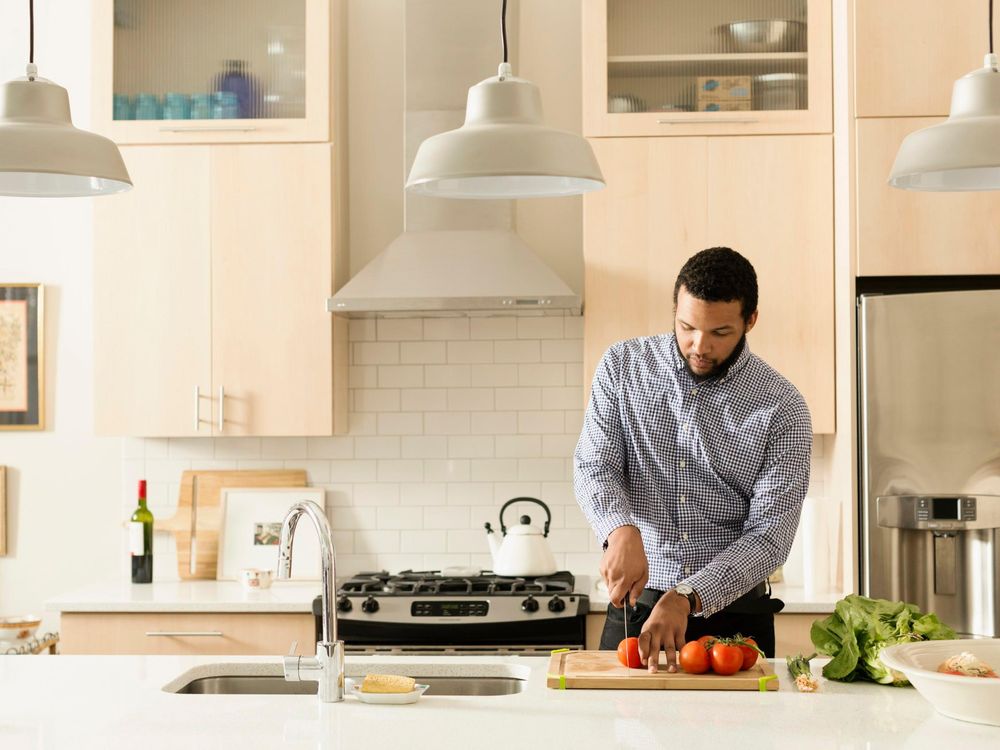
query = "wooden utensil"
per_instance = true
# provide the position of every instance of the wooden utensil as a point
(601, 670)
(205, 523)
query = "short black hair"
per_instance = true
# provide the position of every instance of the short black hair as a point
(720, 274)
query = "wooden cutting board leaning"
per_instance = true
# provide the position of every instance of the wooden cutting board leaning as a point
(198, 513)
(601, 670)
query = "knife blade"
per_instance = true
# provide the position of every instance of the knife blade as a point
(628, 656)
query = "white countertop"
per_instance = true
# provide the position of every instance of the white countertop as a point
(117, 702)
(188, 596)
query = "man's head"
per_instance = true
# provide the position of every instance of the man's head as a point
(715, 305)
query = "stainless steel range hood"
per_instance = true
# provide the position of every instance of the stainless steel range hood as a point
(455, 271)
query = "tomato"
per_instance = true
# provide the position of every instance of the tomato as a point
(749, 654)
(707, 640)
(694, 658)
(725, 659)
(628, 653)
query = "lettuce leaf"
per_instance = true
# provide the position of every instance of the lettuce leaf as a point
(859, 628)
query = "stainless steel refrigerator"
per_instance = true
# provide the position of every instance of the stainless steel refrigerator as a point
(929, 396)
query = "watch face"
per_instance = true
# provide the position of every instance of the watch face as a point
(684, 589)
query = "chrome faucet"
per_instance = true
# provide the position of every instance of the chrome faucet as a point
(327, 667)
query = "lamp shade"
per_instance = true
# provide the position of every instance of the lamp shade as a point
(43, 155)
(963, 152)
(503, 150)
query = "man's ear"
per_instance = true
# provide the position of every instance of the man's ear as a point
(751, 323)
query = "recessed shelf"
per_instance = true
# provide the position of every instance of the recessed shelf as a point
(640, 66)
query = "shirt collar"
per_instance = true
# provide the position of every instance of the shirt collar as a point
(733, 364)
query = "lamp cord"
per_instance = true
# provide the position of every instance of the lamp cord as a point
(31, 30)
(503, 28)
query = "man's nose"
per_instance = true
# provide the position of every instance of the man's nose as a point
(698, 342)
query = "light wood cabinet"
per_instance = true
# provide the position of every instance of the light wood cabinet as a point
(183, 49)
(211, 278)
(908, 54)
(913, 233)
(770, 198)
(183, 633)
(642, 60)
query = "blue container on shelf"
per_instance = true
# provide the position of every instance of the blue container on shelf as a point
(225, 105)
(236, 80)
(177, 107)
(122, 107)
(201, 106)
(147, 107)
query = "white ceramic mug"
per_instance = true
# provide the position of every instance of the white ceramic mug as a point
(255, 578)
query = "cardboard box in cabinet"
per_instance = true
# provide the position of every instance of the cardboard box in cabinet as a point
(723, 93)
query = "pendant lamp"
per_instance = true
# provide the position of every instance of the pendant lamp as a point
(41, 153)
(963, 152)
(503, 150)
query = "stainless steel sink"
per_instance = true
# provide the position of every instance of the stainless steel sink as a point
(277, 685)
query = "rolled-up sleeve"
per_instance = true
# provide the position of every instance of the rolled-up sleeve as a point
(772, 518)
(599, 462)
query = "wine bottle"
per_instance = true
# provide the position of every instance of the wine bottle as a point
(140, 539)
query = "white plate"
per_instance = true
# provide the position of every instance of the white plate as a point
(354, 688)
(974, 699)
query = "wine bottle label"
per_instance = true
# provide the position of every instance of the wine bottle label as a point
(136, 545)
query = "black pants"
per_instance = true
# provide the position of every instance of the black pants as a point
(755, 619)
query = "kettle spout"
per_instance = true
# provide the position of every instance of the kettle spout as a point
(493, 538)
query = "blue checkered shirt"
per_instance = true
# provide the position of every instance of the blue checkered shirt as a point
(713, 473)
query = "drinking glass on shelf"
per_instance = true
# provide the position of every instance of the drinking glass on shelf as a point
(225, 105)
(122, 107)
(147, 107)
(177, 106)
(201, 106)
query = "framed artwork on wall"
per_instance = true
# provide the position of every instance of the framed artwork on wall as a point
(22, 365)
(251, 522)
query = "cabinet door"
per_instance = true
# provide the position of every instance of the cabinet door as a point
(158, 65)
(908, 54)
(676, 68)
(152, 332)
(272, 338)
(913, 233)
(637, 233)
(771, 199)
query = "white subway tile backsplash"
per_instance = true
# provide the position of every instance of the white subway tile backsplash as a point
(362, 329)
(237, 447)
(194, 448)
(526, 350)
(362, 423)
(574, 375)
(558, 493)
(446, 423)
(376, 447)
(422, 541)
(540, 469)
(518, 399)
(322, 447)
(352, 518)
(470, 446)
(466, 541)
(375, 494)
(401, 470)
(424, 446)
(541, 374)
(400, 423)
(160, 470)
(470, 399)
(573, 327)
(446, 329)
(492, 376)
(377, 540)
(470, 493)
(426, 494)
(362, 376)
(493, 328)
(540, 328)
(570, 540)
(563, 398)
(133, 448)
(399, 329)
(470, 352)
(558, 446)
(376, 353)
(284, 447)
(540, 422)
(574, 421)
(317, 472)
(157, 448)
(504, 491)
(352, 471)
(492, 469)
(562, 350)
(260, 464)
(401, 518)
(448, 470)
(423, 352)
(493, 422)
(446, 517)
(400, 376)
(518, 446)
(574, 518)
(424, 399)
(446, 376)
(372, 399)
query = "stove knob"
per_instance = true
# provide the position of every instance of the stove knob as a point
(556, 604)
(369, 605)
(344, 604)
(530, 604)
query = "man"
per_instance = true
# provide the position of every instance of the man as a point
(692, 467)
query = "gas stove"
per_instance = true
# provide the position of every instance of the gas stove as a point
(464, 612)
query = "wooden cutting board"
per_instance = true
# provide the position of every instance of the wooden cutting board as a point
(601, 670)
(208, 515)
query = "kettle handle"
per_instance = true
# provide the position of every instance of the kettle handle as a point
(548, 513)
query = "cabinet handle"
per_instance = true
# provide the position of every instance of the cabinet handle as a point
(197, 408)
(185, 633)
(222, 408)
(701, 120)
(206, 129)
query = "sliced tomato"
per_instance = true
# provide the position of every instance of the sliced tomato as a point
(694, 658)
(628, 653)
(725, 659)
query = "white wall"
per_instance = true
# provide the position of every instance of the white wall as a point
(63, 489)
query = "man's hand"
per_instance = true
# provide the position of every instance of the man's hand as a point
(664, 630)
(624, 566)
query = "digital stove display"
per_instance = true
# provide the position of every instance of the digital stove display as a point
(465, 608)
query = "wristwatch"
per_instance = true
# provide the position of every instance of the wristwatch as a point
(688, 593)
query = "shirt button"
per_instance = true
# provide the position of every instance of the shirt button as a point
(683, 498)
(684, 536)
(682, 463)
(687, 571)
(694, 391)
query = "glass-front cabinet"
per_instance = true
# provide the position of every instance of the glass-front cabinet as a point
(197, 71)
(697, 67)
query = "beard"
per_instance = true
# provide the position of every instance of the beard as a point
(717, 368)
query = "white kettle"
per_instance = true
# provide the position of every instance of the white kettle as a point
(523, 551)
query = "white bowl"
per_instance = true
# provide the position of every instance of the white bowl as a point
(974, 699)
(18, 629)
(352, 687)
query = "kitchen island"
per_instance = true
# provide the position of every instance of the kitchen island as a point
(112, 702)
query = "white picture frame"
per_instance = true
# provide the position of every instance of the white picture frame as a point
(250, 521)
